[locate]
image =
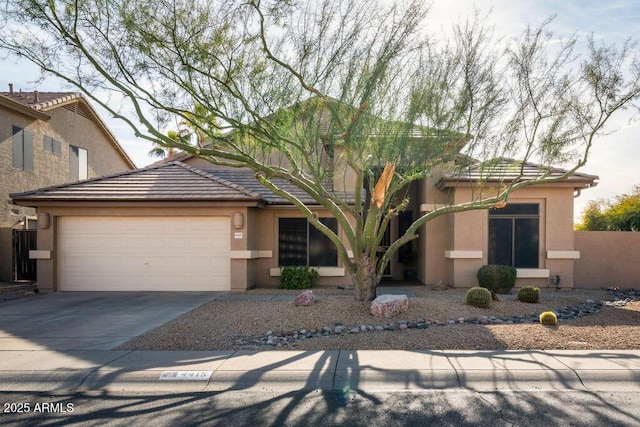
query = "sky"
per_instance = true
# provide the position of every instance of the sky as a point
(614, 158)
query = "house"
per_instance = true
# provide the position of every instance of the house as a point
(186, 225)
(46, 138)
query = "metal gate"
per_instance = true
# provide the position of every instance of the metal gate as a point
(24, 269)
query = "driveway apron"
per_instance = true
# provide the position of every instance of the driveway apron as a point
(90, 320)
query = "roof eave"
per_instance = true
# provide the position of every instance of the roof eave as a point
(22, 109)
(582, 182)
(35, 203)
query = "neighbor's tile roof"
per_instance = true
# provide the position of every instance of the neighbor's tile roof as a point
(173, 181)
(41, 100)
(509, 170)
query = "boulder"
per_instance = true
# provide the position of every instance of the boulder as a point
(440, 285)
(389, 305)
(305, 298)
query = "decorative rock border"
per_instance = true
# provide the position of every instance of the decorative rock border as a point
(619, 298)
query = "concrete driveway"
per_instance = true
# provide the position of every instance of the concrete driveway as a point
(90, 320)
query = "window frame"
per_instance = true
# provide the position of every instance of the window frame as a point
(51, 145)
(76, 156)
(524, 249)
(22, 155)
(311, 236)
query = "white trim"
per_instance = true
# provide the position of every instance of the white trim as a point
(431, 207)
(533, 273)
(39, 254)
(563, 254)
(463, 254)
(322, 271)
(250, 254)
(350, 253)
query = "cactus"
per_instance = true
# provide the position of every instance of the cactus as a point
(549, 318)
(529, 294)
(478, 297)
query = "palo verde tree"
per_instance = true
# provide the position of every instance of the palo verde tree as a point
(308, 92)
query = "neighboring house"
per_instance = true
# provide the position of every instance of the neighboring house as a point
(46, 138)
(186, 225)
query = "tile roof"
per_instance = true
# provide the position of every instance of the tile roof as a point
(173, 181)
(509, 170)
(41, 100)
(170, 182)
(246, 178)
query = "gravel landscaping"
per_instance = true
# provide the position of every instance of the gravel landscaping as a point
(10, 291)
(588, 319)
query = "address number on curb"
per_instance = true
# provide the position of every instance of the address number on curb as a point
(186, 375)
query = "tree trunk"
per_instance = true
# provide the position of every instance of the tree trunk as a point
(365, 279)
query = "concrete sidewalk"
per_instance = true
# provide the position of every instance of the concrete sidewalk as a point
(282, 371)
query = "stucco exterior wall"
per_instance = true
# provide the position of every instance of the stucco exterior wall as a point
(74, 129)
(48, 168)
(199, 162)
(607, 258)
(434, 235)
(467, 246)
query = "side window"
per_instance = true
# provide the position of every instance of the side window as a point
(78, 163)
(300, 243)
(51, 145)
(514, 236)
(22, 149)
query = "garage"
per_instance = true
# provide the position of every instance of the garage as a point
(145, 253)
(167, 227)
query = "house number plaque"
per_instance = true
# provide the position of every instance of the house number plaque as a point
(186, 375)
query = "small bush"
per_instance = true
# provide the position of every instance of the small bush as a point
(549, 318)
(529, 294)
(499, 279)
(298, 277)
(478, 297)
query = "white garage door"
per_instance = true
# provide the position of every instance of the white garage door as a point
(144, 253)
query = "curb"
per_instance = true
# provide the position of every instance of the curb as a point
(281, 371)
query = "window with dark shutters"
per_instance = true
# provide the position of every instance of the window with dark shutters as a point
(51, 145)
(78, 163)
(22, 149)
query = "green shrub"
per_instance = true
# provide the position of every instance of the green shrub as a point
(529, 294)
(298, 277)
(478, 297)
(549, 318)
(499, 279)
